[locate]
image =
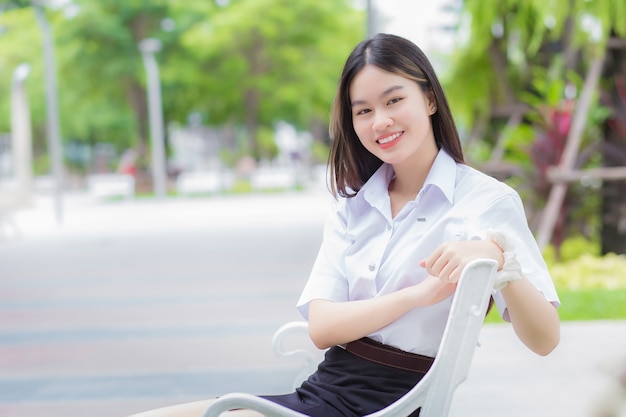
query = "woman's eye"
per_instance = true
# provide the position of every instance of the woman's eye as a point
(362, 111)
(394, 100)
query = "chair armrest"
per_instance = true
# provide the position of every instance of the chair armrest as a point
(309, 360)
(248, 402)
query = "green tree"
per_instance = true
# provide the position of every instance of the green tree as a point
(509, 79)
(269, 60)
(20, 42)
(101, 71)
(244, 64)
(13, 4)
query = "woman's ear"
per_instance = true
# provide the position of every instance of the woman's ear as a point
(432, 103)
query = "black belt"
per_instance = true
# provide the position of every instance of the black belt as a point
(373, 351)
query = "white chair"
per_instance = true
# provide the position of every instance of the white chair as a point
(451, 366)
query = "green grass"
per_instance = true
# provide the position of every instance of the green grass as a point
(588, 304)
(593, 304)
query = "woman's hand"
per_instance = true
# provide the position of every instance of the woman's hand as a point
(435, 290)
(449, 259)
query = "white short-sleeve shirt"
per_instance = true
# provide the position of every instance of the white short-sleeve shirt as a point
(365, 253)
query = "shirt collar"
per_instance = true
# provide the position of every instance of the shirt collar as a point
(442, 175)
(374, 191)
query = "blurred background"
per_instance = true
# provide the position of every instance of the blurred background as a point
(163, 183)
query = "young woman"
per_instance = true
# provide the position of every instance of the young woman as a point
(409, 216)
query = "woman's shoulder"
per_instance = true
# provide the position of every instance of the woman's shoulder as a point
(470, 182)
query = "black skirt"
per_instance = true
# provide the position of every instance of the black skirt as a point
(346, 385)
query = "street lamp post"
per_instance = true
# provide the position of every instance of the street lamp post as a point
(371, 19)
(52, 112)
(21, 134)
(148, 48)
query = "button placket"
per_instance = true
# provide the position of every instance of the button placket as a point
(382, 242)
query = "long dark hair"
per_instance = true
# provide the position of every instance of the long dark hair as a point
(350, 164)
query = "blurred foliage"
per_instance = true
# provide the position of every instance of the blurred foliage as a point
(269, 60)
(243, 63)
(267, 148)
(523, 35)
(41, 164)
(20, 42)
(588, 271)
(582, 267)
(241, 186)
(13, 4)
(320, 152)
(101, 72)
(572, 249)
(512, 84)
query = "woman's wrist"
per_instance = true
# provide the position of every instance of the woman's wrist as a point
(510, 269)
(430, 291)
(498, 253)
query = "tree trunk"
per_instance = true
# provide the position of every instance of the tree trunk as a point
(136, 96)
(252, 94)
(613, 232)
(252, 98)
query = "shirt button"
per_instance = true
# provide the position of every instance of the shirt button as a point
(372, 266)
(388, 226)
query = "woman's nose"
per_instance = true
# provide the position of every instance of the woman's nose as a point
(382, 121)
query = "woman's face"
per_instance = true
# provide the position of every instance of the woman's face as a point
(391, 115)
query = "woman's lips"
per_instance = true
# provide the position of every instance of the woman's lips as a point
(389, 140)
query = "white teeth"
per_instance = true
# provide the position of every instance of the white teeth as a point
(389, 138)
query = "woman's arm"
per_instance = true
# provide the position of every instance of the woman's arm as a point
(534, 319)
(332, 323)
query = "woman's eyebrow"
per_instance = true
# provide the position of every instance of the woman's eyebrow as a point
(383, 94)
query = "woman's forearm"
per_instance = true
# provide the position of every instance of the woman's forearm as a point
(333, 323)
(534, 319)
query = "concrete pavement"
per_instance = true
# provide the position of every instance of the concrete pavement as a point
(139, 304)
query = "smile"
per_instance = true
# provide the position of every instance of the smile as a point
(388, 139)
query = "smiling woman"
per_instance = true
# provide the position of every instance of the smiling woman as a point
(409, 217)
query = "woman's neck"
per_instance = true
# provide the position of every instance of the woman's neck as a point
(410, 175)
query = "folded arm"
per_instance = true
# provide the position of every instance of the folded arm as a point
(332, 323)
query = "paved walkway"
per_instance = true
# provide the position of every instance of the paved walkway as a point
(135, 305)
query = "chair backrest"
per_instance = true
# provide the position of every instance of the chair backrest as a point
(435, 391)
(451, 366)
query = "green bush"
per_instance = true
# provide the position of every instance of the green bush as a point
(581, 267)
(591, 272)
(571, 249)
